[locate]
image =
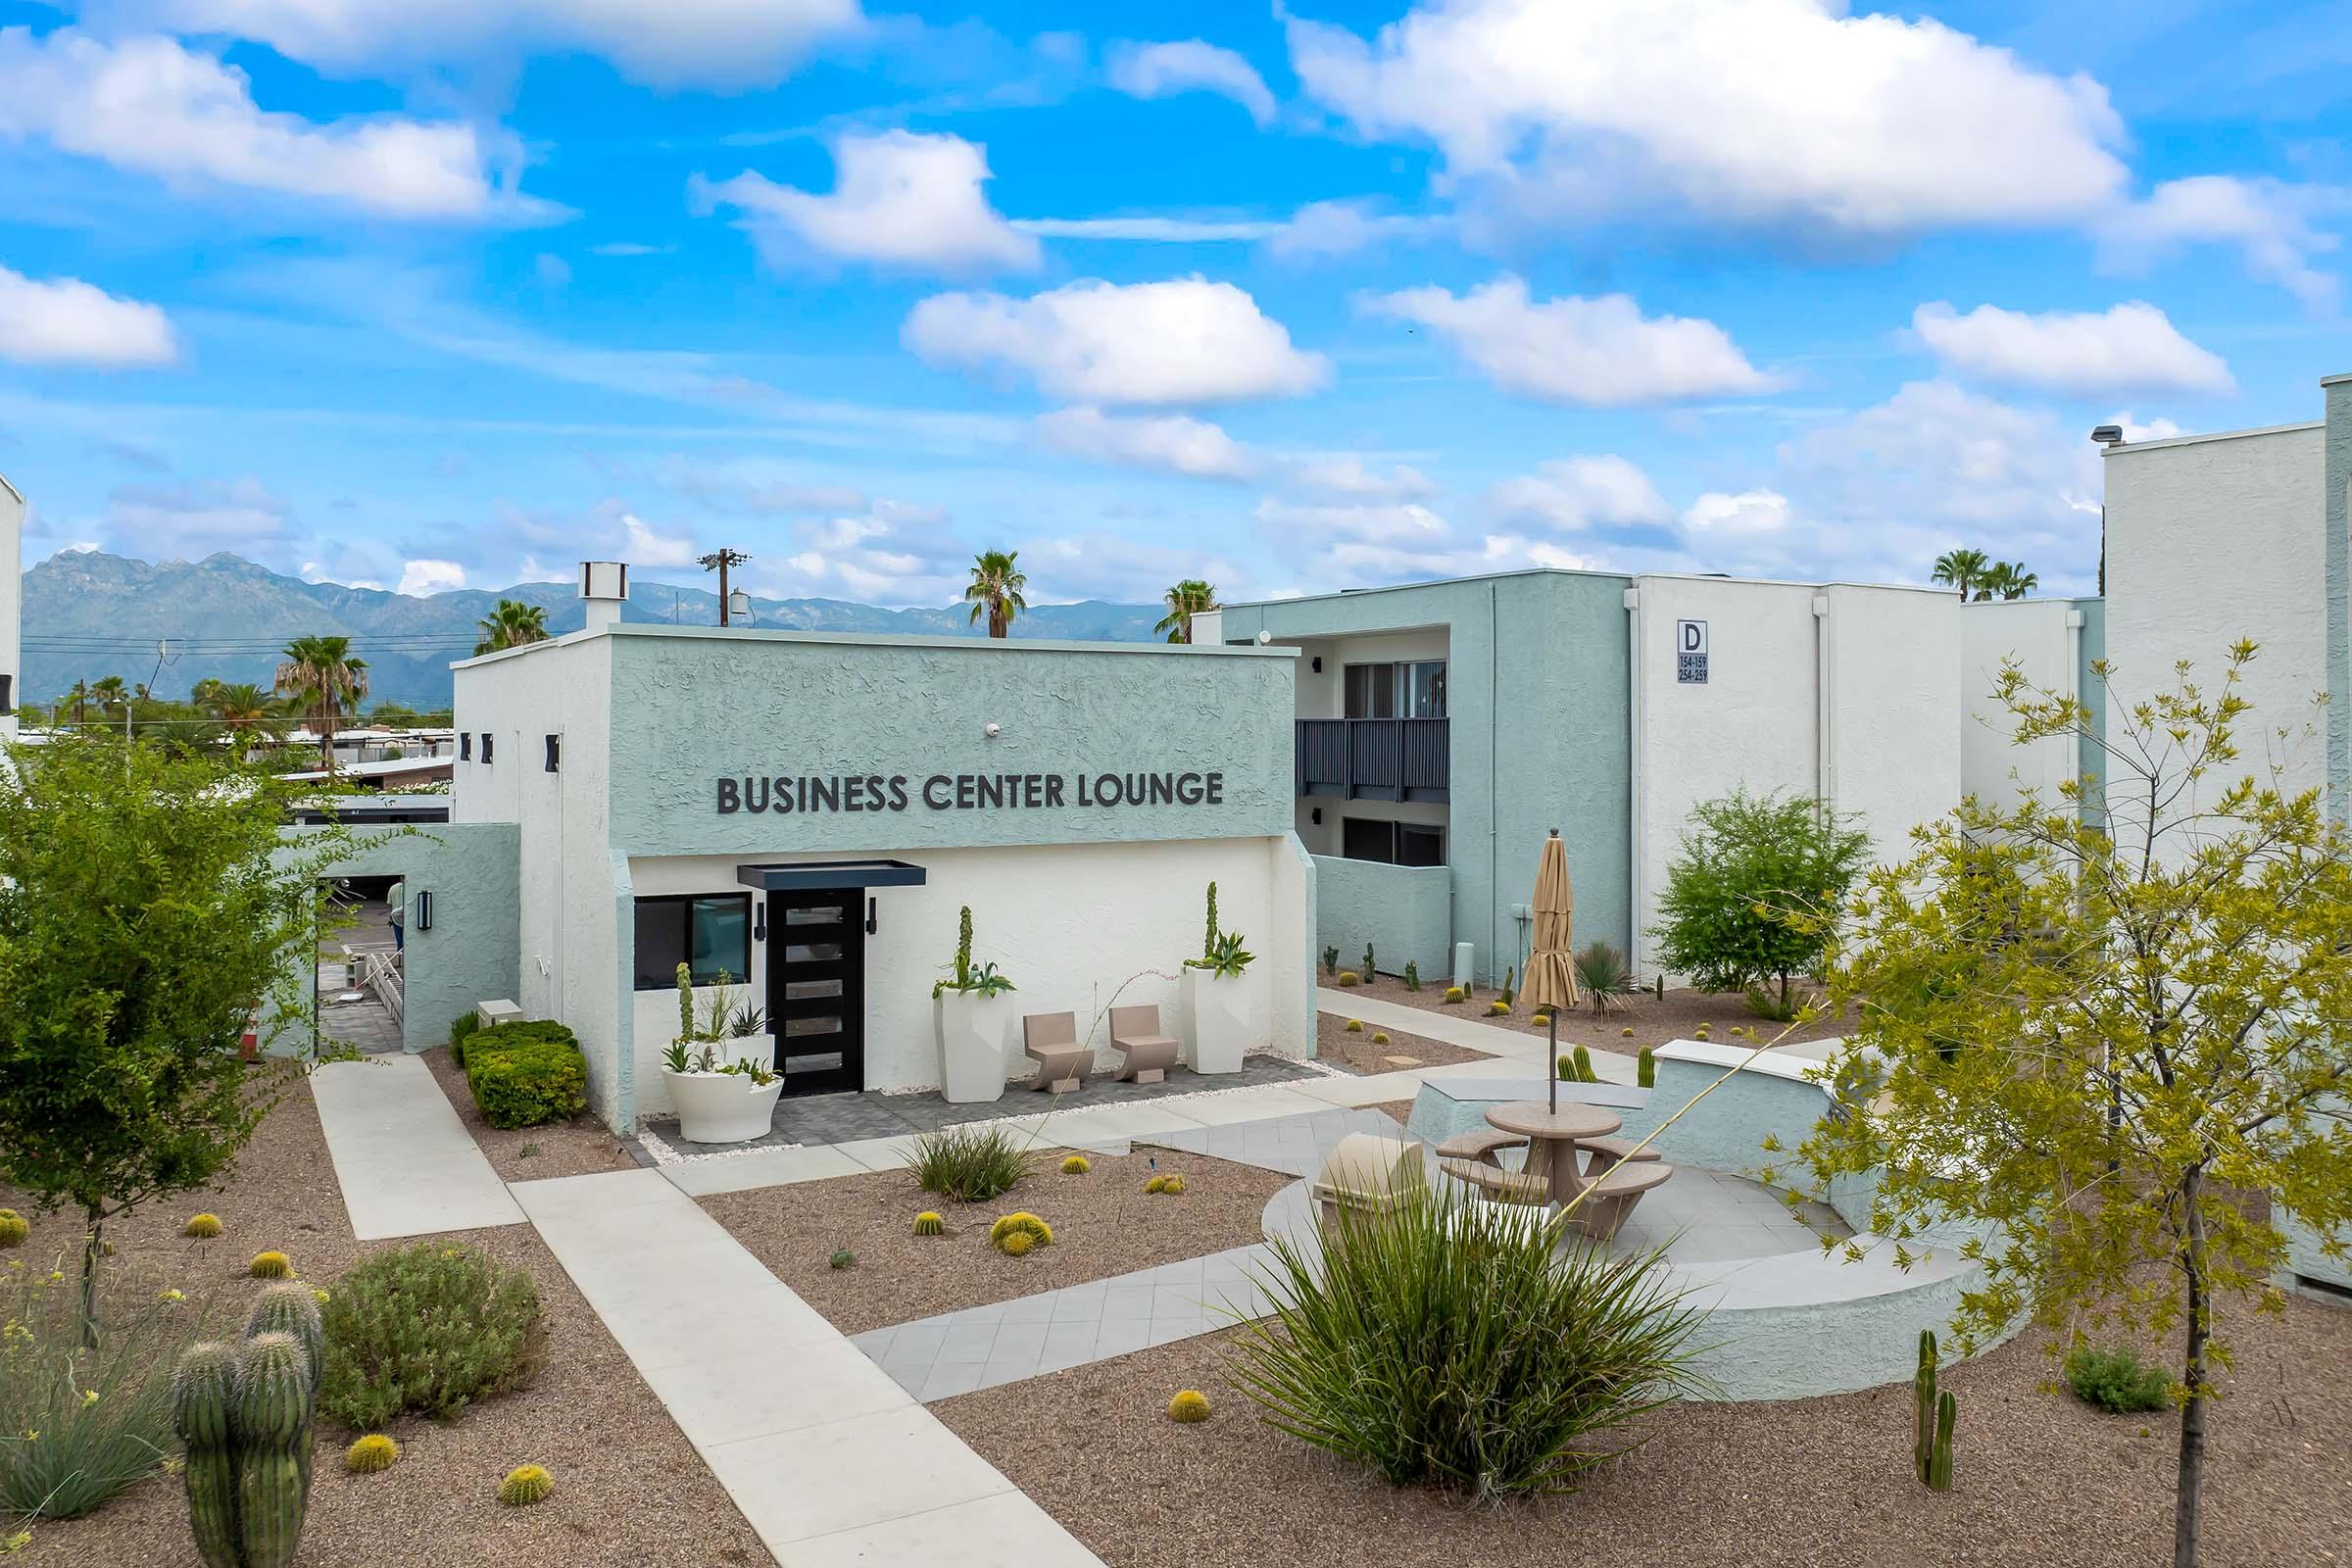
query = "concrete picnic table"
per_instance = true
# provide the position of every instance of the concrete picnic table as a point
(1551, 1138)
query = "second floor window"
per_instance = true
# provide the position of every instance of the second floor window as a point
(1402, 689)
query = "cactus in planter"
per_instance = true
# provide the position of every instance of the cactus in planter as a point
(1933, 1418)
(203, 1392)
(1209, 937)
(286, 1308)
(1646, 1069)
(271, 1427)
(1412, 975)
(1331, 961)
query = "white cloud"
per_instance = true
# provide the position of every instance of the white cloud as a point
(152, 106)
(1742, 110)
(1176, 442)
(1569, 494)
(1598, 352)
(2132, 346)
(648, 547)
(1160, 70)
(2269, 221)
(628, 247)
(661, 43)
(1107, 565)
(1186, 340)
(1341, 228)
(891, 554)
(1345, 473)
(1393, 523)
(192, 520)
(899, 199)
(2157, 429)
(422, 578)
(1150, 230)
(63, 321)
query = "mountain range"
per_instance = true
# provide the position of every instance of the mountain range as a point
(89, 615)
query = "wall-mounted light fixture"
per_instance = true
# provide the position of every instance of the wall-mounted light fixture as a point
(1317, 663)
(992, 729)
(466, 747)
(554, 753)
(1318, 816)
(873, 922)
(487, 737)
(759, 919)
(425, 911)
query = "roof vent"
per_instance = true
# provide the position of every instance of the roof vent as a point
(2108, 435)
(604, 586)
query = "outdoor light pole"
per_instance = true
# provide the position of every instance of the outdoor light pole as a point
(719, 561)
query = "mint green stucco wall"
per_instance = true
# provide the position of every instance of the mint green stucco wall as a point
(2337, 390)
(472, 953)
(689, 710)
(2088, 762)
(1405, 912)
(1537, 699)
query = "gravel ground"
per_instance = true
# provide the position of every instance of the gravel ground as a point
(1358, 1053)
(629, 1489)
(577, 1147)
(1103, 1224)
(1652, 1020)
(1398, 1111)
(2040, 1478)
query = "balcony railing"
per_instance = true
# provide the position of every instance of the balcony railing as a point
(1374, 759)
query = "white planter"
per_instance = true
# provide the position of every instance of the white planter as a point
(972, 1030)
(1217, 1020)
(721, 1107)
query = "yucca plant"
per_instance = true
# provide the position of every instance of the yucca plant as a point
(1449, 1342)
(970, 1164)
(1604, 975)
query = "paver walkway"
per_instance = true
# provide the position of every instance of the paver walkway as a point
(407, 1166)
(831, 1460)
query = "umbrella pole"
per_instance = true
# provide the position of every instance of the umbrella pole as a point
(1551, 1057)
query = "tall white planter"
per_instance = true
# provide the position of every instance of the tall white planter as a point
(1216, 1019)
(721, 1107)
(972, 1031)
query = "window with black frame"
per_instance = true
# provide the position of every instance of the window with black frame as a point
(709, 933)
(1416, 690)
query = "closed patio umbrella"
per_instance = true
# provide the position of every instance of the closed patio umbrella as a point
(1550, 972)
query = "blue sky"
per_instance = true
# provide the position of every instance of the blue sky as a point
(461, 291)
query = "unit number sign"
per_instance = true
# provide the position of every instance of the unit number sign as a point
(1691, 653)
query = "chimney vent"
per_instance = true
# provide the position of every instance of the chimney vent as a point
(605, 587)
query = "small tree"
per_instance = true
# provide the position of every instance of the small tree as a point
(150, 911)
(1747, 862)
(2104, 1022)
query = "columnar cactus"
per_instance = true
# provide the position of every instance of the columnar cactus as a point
(203, 1393)
(288, 1307)
(1584, 1067)
(1646, 1069)
(1209, 937)
(1933, 1419)
(685, 1002)
(1412, 975)
(271, 1427)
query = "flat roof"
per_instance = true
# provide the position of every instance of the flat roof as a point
(1627, 578)
(874, 639)
(2215, 435)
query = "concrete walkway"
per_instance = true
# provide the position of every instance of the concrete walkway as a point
(1456, 1029)
(407, 1164)
(831, 1460)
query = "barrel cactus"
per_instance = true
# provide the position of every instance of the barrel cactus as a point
(271, 1425)
(202, 1227)
(1455, 994)
(286, 1308)
(271, 1267)
(13, 1228)
(1498, 1008)
(1017, 1245)
(525, 1485)
(203, 1393)
(1189, 1405)
(929, 1224)
(1172, 1184)
(1348, 978)
(370, 1455)
(1020, 1223)
(1076, 1166)
(842, 1259)
(1379, 1039)
(1355, 1026)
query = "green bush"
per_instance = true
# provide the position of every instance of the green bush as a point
(968, 1164)
(461, 1028)
(1450, 1340)
(499, 1036)
(428, 1329)
(525, 1082)
(2117, 1380)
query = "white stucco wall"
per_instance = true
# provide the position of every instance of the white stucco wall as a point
(2034, 633)
(1069, 923)
(1894, 689)
(2211, 539)
(1323, 694)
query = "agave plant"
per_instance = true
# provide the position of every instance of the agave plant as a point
(1605, 976)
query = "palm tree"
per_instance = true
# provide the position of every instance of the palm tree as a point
(79, 697)
(1960, 569)
(186, 737)
(326, 681)
(108, 693)
(205, 693)
(512, 624)
(1188, 598)
(2017, 582)
(996, 590)
(246, 712)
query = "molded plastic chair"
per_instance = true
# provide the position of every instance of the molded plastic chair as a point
(1050, 1039)
(1150, 1053)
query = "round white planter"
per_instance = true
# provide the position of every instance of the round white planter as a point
(972, 1032)
(1217, 1020)
(721, 1107)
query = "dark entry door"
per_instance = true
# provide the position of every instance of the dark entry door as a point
(816, 989)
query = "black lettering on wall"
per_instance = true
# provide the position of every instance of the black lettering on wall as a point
(730, 797)
(897, 792)
(1052, 789)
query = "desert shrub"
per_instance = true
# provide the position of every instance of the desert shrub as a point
(523, 1081)
(1605, 976)
(86, 1449)
(2117, 1380)
(463, 1025)
(968, 1164)
(1451, 1341)
(467, 1038)
(428, 1329)
(1753, 897)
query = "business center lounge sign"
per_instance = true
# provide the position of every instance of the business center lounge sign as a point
(785, 796)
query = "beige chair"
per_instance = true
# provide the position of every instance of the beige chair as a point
(1149, 1053)
(1481, 1144)
(1611, 1153)
(1502, 1186)
(1608, 1200)
(1050, 1039)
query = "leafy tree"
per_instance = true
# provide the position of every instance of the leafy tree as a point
(512, 624)
(324, 681)
(149, 912)
(997, 590)
(1747, 864)
(1185, 600)
(2104, 1020)
(1960, 569)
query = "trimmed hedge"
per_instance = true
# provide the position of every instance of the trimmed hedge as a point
(498, 1037)
(522, 1074)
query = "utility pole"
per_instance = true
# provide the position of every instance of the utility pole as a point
(719, 561)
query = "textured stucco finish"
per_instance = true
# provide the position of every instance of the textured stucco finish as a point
(2338, 479)
(2034, 633)
(2304, 1258)
(1405, 912)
